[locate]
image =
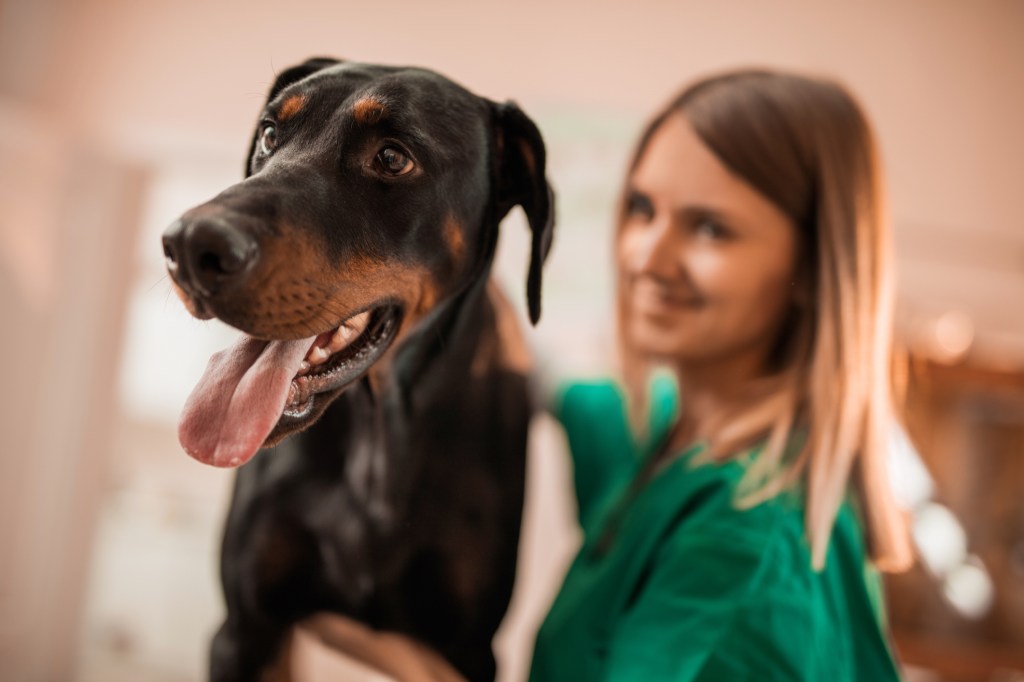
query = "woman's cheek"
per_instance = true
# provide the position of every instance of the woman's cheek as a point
(739, 288)
(713, 274)
(632, 242)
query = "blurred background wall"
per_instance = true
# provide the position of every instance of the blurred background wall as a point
(115, 116)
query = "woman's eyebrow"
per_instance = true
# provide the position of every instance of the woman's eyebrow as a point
(690, 212)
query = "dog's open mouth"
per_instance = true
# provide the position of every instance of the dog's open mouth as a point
(250, 389)
(340, 356)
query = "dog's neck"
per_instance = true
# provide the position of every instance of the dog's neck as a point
(434, 355)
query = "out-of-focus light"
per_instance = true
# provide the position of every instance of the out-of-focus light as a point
(911, 483)
(939, 537)
(969, 589)
(946, 338)
(954, 334)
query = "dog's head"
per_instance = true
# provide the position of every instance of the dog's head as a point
(372, 195)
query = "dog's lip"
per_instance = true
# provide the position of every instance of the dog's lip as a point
(348, 363)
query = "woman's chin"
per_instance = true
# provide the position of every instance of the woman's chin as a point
(671, 340)
(661, 345)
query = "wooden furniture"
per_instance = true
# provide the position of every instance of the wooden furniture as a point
(968, 424)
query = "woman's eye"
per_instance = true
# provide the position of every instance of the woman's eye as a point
(268, 139)
(393, 161)
(639, 206)
(712, 229)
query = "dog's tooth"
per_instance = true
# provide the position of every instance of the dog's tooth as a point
(317, 355)
(342, 337)
(348, 331)
(304, 367)
(358, 323)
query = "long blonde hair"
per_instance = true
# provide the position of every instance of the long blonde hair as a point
(806, 145)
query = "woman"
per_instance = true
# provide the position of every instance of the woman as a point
(728, 541)
(730, 515)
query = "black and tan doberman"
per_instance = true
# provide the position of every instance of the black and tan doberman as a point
(379, 364)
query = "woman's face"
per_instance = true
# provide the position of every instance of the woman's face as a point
(707, 263)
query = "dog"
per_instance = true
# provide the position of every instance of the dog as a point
(380, 365)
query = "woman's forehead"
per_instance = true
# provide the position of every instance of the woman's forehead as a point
(679, 170)
(677, 163)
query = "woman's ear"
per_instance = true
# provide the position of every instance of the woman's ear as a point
(521, 181)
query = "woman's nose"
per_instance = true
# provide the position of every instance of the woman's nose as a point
(657, 250)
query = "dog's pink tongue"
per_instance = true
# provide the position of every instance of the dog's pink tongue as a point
(239, 399)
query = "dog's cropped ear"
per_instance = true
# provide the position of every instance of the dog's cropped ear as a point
(521, 181)
(290, 75)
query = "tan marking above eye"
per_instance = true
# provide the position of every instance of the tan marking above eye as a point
(369, 110)
(291, 106)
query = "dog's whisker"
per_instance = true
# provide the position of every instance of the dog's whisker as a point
(158, 283)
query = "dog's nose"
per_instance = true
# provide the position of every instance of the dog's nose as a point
(208, 253)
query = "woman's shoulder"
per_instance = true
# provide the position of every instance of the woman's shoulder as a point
(604, 450)
(758, 562)
(593, 413)
(743, 576)
(766, 542)
(711, 492)
(766, 547)
(595, 394)
(604, 398)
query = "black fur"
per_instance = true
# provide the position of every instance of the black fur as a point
(399, 502)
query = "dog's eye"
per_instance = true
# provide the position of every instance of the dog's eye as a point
(268, 139)
(394, 161)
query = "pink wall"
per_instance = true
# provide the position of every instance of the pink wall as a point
(941, 78)
(151, 89)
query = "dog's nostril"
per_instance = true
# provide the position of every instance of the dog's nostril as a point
(218, 253)
(226, 263)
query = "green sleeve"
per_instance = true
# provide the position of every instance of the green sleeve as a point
(603, 455)
(604, 452)
(713, 609)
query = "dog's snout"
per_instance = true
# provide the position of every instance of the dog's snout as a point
(208, 254)
(218, 251)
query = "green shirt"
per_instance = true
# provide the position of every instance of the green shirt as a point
(691, 588)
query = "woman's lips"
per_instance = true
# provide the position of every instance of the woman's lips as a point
(654, 298)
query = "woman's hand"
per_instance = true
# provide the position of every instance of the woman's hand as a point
(394, 654)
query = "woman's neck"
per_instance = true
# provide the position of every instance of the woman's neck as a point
(712, 389)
